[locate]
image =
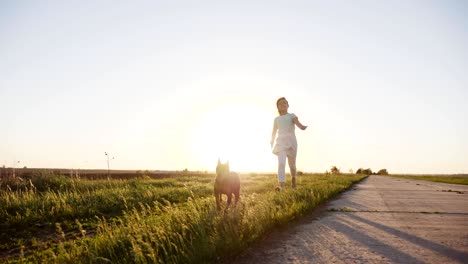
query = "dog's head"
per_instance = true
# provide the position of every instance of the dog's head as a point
(222, 169)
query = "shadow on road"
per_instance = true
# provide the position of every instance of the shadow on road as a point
(441, 249)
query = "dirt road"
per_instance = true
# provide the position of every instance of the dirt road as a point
(380, 220)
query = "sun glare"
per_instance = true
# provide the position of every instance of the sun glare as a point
(235, 133)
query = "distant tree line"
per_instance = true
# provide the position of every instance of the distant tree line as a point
(368, 171)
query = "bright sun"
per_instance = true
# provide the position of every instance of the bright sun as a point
(235, 133)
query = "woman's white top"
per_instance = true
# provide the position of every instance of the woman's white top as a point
(285, 138)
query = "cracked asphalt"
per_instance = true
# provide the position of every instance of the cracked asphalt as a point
(380, 220)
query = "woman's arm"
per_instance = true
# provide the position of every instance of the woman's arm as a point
(298, 124)
(273, 134)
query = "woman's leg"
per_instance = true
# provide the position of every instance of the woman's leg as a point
(282, 167)
(292, 169)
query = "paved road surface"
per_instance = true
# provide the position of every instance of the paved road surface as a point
(380, 220)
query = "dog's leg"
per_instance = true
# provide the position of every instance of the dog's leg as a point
(217, 198)
(229, 195)
(236, 194)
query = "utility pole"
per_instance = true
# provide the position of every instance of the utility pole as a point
(108, 164)
(14, 167)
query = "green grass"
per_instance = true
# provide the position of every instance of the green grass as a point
(150, 221)
(445, 179)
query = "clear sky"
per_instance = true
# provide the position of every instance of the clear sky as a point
(169, 85)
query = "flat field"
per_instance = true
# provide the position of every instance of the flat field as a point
(453, 179)
(51, 218)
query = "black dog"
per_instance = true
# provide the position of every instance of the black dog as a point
(226, 182)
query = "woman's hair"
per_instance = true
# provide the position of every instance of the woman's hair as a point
(277, 102)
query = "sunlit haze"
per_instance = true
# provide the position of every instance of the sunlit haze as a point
(173, 85)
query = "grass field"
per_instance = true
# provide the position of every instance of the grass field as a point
(56, 219)
(445, 179)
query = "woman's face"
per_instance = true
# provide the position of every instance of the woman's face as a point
(283, 106)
